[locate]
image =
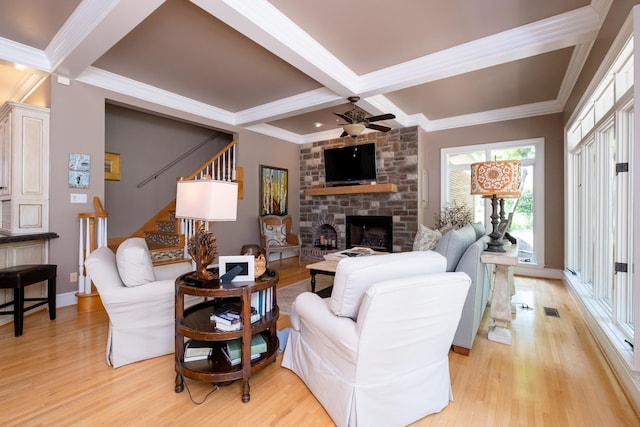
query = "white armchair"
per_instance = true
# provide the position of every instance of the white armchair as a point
(141, 313)
(377, 353)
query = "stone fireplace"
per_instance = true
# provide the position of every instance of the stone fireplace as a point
(324, 240)
(325, 235)
(397, 163)
(370, 231)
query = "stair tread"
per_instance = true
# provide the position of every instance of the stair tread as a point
(172, 261)
(165, 233)
(158, 247)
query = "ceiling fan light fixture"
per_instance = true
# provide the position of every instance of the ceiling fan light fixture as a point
(354, 129)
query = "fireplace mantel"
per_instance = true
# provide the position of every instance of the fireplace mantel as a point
(351, 189)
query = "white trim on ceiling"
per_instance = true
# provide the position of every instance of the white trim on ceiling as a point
(286, 107)
(24, 55)
(116, 83)
(267, 26)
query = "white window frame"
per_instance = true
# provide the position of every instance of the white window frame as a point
(609, 101)
(538, 187)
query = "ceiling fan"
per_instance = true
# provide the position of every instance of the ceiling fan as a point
(357, 122)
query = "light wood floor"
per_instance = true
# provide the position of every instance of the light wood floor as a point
(553, 375)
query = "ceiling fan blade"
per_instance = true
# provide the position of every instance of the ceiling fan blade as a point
(387, 116)
(378, 127)
(345, 118)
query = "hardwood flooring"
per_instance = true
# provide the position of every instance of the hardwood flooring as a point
(553, 375)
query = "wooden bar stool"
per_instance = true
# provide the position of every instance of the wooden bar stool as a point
(21, 276)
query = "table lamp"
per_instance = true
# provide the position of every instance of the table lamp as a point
(497, 179)
(205, 200)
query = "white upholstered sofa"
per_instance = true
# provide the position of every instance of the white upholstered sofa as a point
(139, 300)
(376, 351)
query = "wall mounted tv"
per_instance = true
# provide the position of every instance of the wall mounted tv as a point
(350, 164)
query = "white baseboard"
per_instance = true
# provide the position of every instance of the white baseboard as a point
(534, 271)
(63, 300)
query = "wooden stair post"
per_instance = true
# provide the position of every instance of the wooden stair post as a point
(93, 234)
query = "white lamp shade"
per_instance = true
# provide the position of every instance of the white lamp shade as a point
(207, 200)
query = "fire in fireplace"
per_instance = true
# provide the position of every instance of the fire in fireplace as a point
(375, 232)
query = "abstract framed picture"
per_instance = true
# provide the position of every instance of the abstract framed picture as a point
(274, 193)
(112, 166)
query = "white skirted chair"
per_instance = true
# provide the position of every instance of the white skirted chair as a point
(376, 352)
(139, 299)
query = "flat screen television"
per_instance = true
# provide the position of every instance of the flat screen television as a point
(350, 164)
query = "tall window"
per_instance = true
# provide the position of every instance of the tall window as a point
(527, 223)
(599, 250)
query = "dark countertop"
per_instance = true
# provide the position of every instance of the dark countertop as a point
(14, 238)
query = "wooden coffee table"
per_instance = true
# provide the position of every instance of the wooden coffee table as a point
(327, 267)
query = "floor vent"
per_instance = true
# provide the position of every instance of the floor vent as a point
(548, 311)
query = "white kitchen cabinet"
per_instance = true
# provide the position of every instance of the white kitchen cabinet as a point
(24, 179)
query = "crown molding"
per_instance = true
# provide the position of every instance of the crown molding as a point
(116, 83)
(498, 115)
(286, 107)
(277, 132)
(28, 83)
(263, 23)
(84, 19)
(24, 55)
(549, 34)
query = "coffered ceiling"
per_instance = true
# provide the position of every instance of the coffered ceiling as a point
(281, 67)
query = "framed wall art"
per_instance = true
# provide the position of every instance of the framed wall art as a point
(112, 166)
(245, 262)
(274, 194)
(79, 170)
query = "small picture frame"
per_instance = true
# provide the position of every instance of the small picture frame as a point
(112, 166)
(246, 263)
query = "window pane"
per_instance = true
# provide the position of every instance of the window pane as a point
(519, 153)
(466, 158)
(522, 222)
(458, 189)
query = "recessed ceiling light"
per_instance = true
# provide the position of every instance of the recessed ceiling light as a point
(317, 124)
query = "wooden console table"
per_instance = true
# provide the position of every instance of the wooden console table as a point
(502, 291)
(194, 323)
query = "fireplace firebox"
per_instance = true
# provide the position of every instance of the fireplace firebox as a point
(375, 232)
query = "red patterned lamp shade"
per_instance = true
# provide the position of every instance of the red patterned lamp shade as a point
(500, 178)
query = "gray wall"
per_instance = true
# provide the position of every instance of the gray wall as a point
(146, 144)
(78, 126)
(548, 127)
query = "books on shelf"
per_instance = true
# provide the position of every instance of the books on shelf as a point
(263, 301)
(228, 318)
(258, 346)
(237, 360)
(197, 350)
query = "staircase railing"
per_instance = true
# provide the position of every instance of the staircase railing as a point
(221, 167)
(93, 234)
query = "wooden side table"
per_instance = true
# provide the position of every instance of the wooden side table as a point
(501, 296)
(194, 323)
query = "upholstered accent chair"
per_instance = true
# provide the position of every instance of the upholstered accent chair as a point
(276, 236)
(376, 352)
(139, 300)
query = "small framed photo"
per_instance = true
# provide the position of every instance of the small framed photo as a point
(112, 166)
(245, 262)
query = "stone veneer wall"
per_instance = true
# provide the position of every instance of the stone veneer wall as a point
(396, 161)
